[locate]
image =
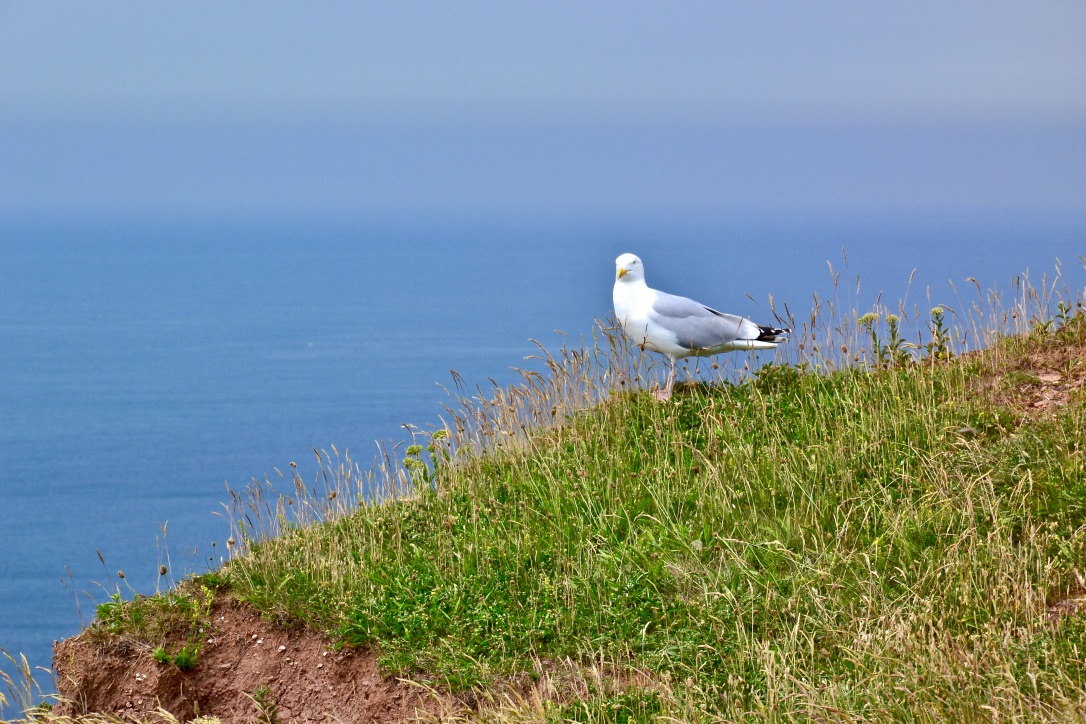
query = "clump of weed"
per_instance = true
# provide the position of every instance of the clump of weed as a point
(184, 658)
(266, 710)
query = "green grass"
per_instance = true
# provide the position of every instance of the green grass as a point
(878, 544)
(868, 535)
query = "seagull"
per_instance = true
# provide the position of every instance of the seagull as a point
(679, 327)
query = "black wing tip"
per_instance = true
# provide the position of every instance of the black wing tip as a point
(771, 334)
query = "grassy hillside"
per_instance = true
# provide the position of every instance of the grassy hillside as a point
(886, 543)
(902, 537)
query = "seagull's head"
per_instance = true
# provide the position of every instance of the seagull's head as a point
(628, 268)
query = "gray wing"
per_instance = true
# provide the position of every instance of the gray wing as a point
(699, 327)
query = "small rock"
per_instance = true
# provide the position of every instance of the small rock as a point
(282, 648)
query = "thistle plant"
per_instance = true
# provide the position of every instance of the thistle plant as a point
(424, 463)
(939, 346)
(895, 351)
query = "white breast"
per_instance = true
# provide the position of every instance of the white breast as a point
(633, 308)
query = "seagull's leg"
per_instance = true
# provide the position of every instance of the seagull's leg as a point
(665, 394)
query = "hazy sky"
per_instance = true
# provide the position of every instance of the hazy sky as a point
(212, 105)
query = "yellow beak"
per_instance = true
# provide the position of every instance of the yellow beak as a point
(621, 272)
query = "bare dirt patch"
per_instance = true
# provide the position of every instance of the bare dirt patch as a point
(297, 670)
(1043, 377)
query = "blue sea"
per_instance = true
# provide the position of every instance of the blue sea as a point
(145, 363)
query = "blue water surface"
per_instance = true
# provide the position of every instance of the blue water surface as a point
(146, 362)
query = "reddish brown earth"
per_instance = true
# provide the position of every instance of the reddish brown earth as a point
(307, 679)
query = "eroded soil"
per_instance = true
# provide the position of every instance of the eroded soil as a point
(295, 671)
